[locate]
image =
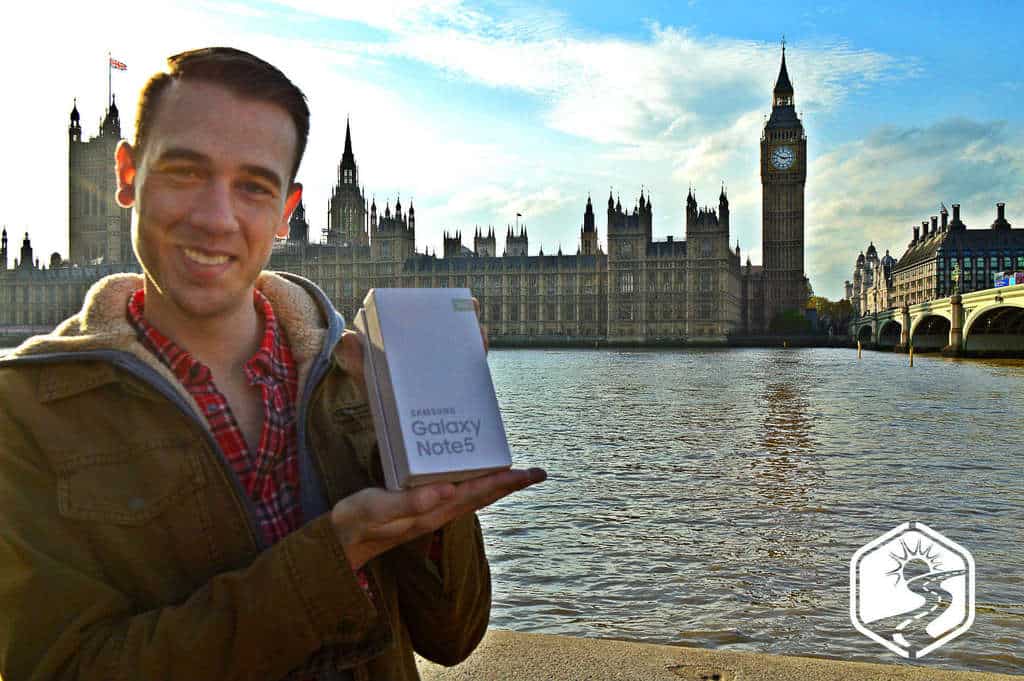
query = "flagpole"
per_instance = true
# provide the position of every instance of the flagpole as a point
(108, 80)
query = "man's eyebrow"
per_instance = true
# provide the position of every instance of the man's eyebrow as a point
(265, 173)
(183, 154)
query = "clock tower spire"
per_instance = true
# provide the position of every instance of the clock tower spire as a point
(783, 176)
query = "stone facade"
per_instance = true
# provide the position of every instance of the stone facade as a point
(925, 270)
(35, 295)
(783, 176)
(872, 289)
(99, 230)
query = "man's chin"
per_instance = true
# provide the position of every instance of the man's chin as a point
(205, 307)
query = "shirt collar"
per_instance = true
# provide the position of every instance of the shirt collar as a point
(272, 357)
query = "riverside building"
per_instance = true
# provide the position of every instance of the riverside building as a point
(925, 270)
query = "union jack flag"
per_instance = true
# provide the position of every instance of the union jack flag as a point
(119, 65)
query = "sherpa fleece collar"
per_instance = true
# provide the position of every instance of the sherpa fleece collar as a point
(102, 324)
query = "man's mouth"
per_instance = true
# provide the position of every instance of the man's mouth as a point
(206, 258)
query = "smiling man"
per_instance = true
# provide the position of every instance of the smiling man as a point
(188, 475)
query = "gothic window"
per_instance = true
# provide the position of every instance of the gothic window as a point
(531, 311)
(568, 312)
(625, 282)
(494, 312)
(705, 282)
(385, 249)
(348, 176)
(705, 248)
(550, 312)
(626, 313)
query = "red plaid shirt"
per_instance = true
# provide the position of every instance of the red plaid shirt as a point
(270, 474)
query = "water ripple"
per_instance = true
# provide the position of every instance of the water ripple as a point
(714, 498)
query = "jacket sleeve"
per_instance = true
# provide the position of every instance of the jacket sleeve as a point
(446, 614)
(61, 619)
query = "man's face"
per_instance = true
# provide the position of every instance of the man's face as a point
(211, 191)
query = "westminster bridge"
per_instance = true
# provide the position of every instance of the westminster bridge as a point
(990, 321)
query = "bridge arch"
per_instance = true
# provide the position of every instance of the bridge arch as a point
(930, 332)
(998, 328)
(916, 319)
(866, 333)
(889, 334)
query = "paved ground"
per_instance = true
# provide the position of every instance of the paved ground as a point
(511, 656)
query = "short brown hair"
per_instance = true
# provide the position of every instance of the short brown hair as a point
(242, 73)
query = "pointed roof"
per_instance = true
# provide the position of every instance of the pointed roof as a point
(348, 159)
(782, 84)
(75, 116)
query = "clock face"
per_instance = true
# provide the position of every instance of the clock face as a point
(782, 157)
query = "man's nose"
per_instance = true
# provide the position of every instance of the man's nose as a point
(214, 210)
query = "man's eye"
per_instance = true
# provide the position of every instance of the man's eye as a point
(256, 188)
(182, 173)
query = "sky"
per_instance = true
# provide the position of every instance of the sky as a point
(477, 111)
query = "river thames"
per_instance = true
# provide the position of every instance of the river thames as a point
(715, 498)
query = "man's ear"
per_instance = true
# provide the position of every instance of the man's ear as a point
(124, 164)
(294, 194)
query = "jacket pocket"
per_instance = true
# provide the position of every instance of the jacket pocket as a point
(131, 485)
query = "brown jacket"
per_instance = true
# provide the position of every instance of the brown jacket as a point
(128, 552)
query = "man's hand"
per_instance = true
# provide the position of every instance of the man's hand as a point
(352, 351)
(374, 520)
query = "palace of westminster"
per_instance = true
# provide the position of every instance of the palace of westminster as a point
(635, 290)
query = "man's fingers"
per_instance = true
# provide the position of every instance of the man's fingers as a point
(375, 520)
(472, 495)
(379, 507)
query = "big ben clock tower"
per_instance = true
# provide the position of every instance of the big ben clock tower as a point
(783, 175)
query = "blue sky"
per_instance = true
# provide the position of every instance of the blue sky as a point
(479, 110)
